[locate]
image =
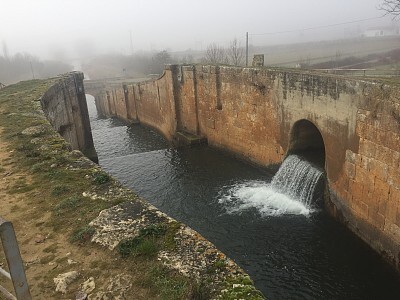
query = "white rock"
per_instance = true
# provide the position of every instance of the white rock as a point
(88, 286)
(63, 280)
(80, 296)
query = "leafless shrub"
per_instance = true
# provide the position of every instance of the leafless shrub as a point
(236, 53)
(215, 55)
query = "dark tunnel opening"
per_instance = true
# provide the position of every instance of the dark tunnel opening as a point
(306, 141)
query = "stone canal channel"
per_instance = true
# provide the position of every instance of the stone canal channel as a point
(291, 250)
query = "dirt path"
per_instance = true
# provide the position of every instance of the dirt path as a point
(47, 254)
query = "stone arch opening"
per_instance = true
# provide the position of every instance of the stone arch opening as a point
(306, 141)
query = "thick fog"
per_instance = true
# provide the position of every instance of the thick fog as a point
(75, 28)
(43, 37)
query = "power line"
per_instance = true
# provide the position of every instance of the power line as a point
(317, 27)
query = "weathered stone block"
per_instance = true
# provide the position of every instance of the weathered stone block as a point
(383, 154)
(371, 133)
(367, 148)
(350, 156)
(379, 169)
(395, 161)
(365, 163)
(350, 170)
(372, 200)
(394, 177)
(397, 217)
(382, 188)
(355, 189)
(381, 137)
(376, 218)
(391, 211)
(393, 140)
(361, 209)
(383, 206)
(211, 123)
(363, 176)
(361, 129)
(359, 159)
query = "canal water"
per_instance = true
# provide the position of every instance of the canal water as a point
(290, 250)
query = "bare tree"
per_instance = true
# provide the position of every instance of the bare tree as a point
(215, 55)
(391, 7)
(236, 53)
(159, 60)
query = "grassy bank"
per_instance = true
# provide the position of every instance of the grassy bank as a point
(48, 196)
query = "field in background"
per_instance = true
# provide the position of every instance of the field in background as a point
(314, 54)
(380, 55)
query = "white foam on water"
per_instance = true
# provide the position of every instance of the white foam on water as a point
(264, 198)
(290, 191)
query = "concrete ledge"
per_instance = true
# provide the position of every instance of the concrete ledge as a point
(182, 138)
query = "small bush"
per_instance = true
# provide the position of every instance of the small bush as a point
(101, 178)
(145, 243)
(147, 247)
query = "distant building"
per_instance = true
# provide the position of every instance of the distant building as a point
(2, 86)
(381, 31)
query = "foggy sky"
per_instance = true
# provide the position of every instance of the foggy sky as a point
(58, 29)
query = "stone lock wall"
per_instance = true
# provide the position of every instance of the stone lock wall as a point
(65, 107)
(237, 112)
(253, 112)
(369, 185)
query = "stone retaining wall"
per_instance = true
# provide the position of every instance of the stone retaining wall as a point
(253, 113)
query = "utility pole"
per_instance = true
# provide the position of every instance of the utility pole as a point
(130, 34)
(33, 74)
(247, 49)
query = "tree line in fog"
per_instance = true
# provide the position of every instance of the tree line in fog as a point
(136, 65)
(24, 66)
(147, 63)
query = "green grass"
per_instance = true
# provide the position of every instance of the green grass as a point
(60, 189)
(145, 244)
(167, 285)
(20, 186)
(47, 163)
(67, 205)
(47, 159)
(101, 178)
(82, 235)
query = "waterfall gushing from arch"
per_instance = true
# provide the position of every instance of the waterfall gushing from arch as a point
(291, 191)
(297, 178)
